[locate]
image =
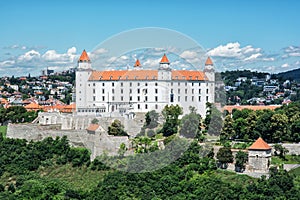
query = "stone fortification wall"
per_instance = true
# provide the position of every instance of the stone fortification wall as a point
(98, 143)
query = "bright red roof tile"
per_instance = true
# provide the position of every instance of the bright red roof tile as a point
(259, 144)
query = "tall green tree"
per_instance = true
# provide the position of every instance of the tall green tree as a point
(240, 159)
(224, 157)
(171, 114)
(228, 131)
(117, 129)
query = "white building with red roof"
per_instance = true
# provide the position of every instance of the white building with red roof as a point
(142, 90)
(259, 156)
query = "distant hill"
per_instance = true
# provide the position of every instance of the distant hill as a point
(293, 74)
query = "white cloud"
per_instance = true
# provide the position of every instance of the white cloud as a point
(285, 65)
(253, 57)
(229, 50)
(29, 55)
(53, 56)
(7, 63)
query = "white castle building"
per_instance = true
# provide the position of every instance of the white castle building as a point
(142, 90)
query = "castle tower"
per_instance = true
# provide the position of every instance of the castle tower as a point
(259, 156)
(137, 65)
(84, 62)
(164, 70)
(209, 69)
(83, 72)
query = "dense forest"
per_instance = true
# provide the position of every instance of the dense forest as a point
(280, 125)
(192, 176)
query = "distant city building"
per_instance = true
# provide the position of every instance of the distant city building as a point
(142, 90)
(47, 72)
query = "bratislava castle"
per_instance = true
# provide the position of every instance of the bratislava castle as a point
(141, 90)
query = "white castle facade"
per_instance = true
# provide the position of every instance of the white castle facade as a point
(135, 90)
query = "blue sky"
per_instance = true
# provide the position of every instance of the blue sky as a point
(259, 35)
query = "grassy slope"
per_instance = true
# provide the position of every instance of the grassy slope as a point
(80, 178)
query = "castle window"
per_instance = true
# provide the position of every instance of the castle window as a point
(146, 84)
(199, 91)
(146, 106)
(130, 84)
(192, 98)
(138, 84)
(199, 98)
(113, 91)
(130, 98)
(139, 106)
(172, 91)
(156, 106)
(185, 98)
(113, 98)
(199, 84)
(192, 91)
(138, 98)
(156, 98)
(130, 91)
(156, 90)
(185, 91)
(121, 91)
(89, 85)
(138, 90)
(93, 84)
(178, 98)
(121, 84)
(94, 91)
(146, 98)
(178, 83)
(185, 83)
(171, 97)
(122, 98)
(103, 84)
(103, 98)
(206, 98)
(103, 91)
(94, 98)
(206, 91)
(113, 84)
(178, 91)
(155, 84)
(171, 83)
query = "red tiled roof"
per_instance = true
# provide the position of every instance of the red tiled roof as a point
(93, 127)
(164, 59)
(269, 107)
(259, 144)
(208, 61)
(145, 75)
(84, 57)
(137, 63)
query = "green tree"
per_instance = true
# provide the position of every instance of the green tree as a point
(171, 114)
(151, 119)
(240, 159)
(280, 151)
(190, 126)
(122, 150)
(227, 132)
(117, 129)
(224, 157)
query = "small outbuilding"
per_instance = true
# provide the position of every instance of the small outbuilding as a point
(259, 156)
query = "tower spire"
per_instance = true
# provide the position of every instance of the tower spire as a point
(84, 57)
